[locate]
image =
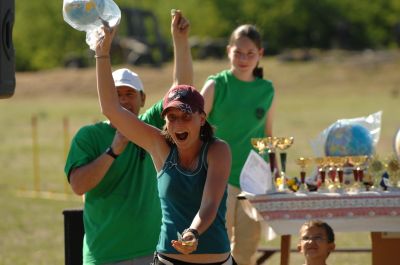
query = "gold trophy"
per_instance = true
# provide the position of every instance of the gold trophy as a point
(303, 163)
(358, 172)
(339, 162)
(375, 170)
(262, 146)
(393, 168)
(259, 145)
(322, 163)
(266, 144)
(271, 143)
(335, 169)
(331, 173)
(282, 144)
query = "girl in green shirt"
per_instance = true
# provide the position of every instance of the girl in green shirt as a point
(239, 103)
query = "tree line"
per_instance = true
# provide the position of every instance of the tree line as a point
(43, 40)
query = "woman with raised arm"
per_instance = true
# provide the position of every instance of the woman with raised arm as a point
(192, 165)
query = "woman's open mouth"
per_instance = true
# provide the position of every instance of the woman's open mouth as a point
(181, 136)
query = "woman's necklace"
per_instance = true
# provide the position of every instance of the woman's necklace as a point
(190, 165)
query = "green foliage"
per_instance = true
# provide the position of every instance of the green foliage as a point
(43, 40)
(41, 37)
(325, 23)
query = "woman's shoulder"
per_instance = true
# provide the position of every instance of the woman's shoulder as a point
(218, 145)
(219, 155)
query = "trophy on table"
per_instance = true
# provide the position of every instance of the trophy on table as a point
(303, 162)
(375, 170)
(331, 173)
(271, 143)
(393, 168)
(261, 145)
(338, 162)
(358, 172)
(282, 144)
(322, 163)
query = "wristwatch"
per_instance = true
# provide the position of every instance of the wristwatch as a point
(111, 153)
(193, 231)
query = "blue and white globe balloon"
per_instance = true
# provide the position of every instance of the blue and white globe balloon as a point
(87, 15)
(349, 140)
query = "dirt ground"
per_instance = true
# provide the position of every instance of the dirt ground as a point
(156, 80)
(71, 82)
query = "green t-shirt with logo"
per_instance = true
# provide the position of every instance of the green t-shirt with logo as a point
(122, 215)
(238, 114)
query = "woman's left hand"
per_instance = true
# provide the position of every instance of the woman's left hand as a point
(187, 245)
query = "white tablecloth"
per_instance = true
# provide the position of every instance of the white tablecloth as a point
(364, 211)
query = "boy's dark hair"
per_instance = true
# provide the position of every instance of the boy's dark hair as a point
(251, 32)
(318, 223)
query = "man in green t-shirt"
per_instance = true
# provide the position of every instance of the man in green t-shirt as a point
(122, 216)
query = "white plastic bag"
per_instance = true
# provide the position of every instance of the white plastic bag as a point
(371, 123)
(396, 144)
(90, 16)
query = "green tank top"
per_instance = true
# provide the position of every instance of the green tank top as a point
(180, 193)
(239, 113)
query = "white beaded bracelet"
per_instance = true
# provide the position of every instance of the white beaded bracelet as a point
(101, 56)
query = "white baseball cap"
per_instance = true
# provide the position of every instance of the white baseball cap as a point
(125, 77)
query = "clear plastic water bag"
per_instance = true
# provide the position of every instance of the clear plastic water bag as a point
(90, 16)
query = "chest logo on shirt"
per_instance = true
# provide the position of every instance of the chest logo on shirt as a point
(259, 113)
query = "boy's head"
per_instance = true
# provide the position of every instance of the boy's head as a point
(316, 242)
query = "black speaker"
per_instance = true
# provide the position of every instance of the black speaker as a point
(73, 236)
(7, 54)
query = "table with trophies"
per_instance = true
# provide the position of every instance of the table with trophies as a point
(351, 193)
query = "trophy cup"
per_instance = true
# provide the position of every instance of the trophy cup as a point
(338, 162)
(358, 172)
(271, 143)
(331, 173)
(322, 162)
(282, 144)
(393, 168)
(303, 163)
(375, 170)
(259, 145)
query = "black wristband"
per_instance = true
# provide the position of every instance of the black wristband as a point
(111, 153)
(193, 231)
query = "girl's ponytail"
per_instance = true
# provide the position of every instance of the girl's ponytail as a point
(258, 72)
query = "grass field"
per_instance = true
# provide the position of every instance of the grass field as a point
(310, 96)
